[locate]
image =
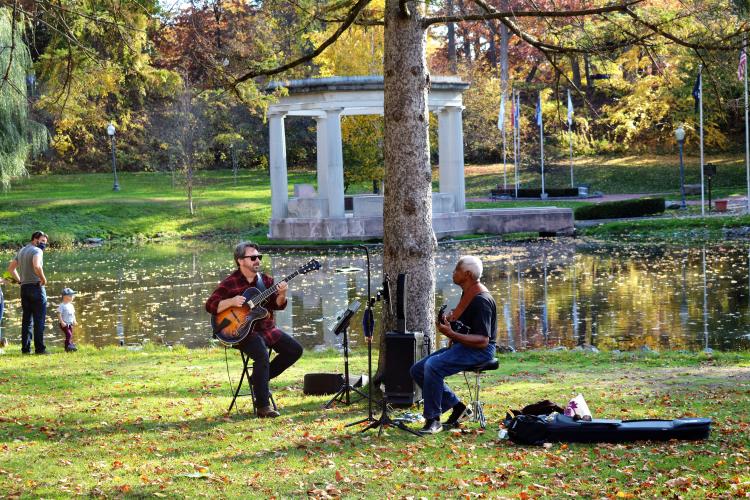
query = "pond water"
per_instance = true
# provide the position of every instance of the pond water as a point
(549, 293)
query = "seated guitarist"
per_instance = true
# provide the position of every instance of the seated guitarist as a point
(476, 310)
(228, 294)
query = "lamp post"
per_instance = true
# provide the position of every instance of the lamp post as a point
(111, 134)
(234, 162)
(679, 134)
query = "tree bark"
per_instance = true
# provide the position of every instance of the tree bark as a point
(576, 69)
(504, 42)
(451, 38)
(465, 35)
(408, 239)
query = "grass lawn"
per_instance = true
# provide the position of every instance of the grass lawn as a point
(121, 423)
(613, 175)
(72, 208)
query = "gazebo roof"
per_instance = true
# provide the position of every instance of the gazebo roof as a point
(359, 83)
(355, 95)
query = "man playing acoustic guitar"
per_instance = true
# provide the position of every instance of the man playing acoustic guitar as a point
(265, 334)
(475, 314)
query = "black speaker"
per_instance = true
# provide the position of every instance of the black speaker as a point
(400, 354)
(401, 303)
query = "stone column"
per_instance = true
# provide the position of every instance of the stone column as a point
(444, 134)
(277, 166)
(322, 160)
(335, 163)
(456, 140)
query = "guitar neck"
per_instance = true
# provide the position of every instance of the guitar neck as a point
(266, 294)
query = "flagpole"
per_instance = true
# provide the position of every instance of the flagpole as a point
(505, 155)
(517, 141)
(747, 130)
(700, 104)
(541, 142)
(570, 136)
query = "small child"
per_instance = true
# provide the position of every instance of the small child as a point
(66, 314)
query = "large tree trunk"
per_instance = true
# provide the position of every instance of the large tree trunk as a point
(451, 38)
(465, 34)
(408, 239)
(504, 42)
(576, 67)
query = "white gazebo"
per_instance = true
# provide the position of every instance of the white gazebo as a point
(321, 215)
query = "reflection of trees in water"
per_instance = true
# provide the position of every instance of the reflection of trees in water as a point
(625, 298)
(614, 297)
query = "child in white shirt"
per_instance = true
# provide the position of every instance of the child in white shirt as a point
(66, 314)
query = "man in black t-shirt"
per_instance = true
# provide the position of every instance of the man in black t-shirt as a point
(476, 310)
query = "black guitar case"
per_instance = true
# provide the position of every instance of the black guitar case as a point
(539, 429)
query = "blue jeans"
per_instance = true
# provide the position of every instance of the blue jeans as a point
(34, 305)
(429, 373)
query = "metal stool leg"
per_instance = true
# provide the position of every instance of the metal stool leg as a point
(478, 407)
(476, 404)
(245, 375)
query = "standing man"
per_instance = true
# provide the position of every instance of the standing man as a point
(476, 310)
(27, 269)
(228, 294)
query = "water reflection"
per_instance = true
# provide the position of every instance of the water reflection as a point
(548, 293)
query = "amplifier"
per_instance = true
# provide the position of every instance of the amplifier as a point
(402, 350)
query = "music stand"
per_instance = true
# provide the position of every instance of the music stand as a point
(342, 326)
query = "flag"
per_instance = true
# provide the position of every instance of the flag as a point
(538, 115)
(570, 110)
(741, 67)
(501, 114)
(697, 91)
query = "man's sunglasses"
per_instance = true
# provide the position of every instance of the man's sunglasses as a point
(253, 257)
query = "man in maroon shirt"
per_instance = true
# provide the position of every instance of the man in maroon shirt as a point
(228, 294)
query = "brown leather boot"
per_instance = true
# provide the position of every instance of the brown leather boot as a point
(267, 412)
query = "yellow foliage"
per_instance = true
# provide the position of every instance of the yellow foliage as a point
(359, 51)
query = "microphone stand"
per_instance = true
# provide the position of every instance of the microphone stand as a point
(368, 325)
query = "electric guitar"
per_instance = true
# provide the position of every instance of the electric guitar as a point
(456, 326)
(231, 326)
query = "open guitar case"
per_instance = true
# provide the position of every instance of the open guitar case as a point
(556, 427)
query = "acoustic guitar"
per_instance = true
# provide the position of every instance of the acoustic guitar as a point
(456, 326)
(231, 326)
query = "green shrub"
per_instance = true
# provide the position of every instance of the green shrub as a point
(535, 192)
(621, 209)
(62, 239)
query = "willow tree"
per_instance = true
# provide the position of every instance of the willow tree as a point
(20, 136)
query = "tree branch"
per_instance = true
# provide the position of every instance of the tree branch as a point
(348, 21)
(675, 39)
(492, 13)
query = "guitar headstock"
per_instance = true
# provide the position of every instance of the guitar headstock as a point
(313, 265)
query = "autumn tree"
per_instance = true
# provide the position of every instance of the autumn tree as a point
(566, 41)
(409, 241)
